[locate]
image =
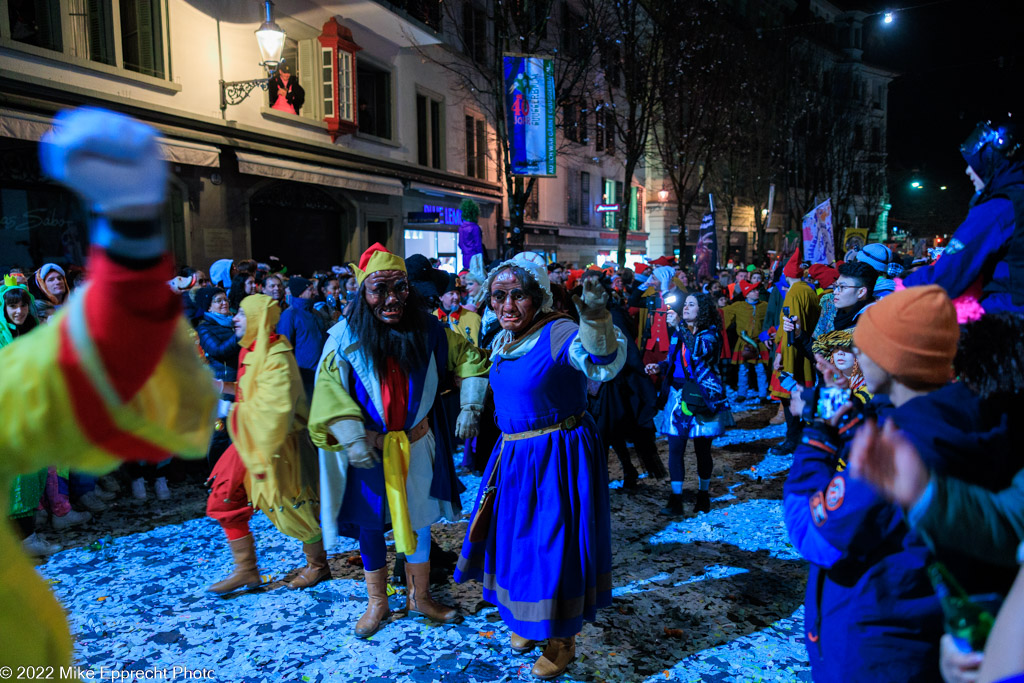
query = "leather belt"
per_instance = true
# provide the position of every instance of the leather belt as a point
(376, 439)
(565, 425)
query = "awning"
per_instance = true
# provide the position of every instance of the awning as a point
(23, 126)
(285, 169)
(446, 192)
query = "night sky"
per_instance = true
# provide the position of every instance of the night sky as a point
(960, 62)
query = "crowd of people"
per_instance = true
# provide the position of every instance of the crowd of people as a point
(343, 400)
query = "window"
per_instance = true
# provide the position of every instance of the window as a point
(612, 192)
(129, 34)
(611, 62)
(429, 124)
(609, 130)
(474, 32)
(636, 210)
(531, 211)
(373, 86)
(584, 198)
(327, 79)
(476, 147)
(572, 44)
(569, 124)
(572, 197)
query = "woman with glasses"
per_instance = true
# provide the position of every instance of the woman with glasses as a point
(217, 339)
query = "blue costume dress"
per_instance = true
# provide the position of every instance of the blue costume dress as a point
(547, 560)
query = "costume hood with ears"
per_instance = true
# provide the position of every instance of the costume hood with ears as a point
(478, 275)
(375, 259)
(40, 282)
(10, 283)
(793, 269)
(220, 273)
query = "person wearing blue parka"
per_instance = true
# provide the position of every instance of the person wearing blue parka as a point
(871, 612)
(989, 244)
(304, 328)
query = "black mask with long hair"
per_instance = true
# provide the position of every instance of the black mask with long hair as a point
(406, 341)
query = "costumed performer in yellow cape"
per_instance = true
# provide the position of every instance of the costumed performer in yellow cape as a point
(376, 385)
(115, 376)
(270, 464)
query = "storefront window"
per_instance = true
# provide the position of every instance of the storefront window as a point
(433, 244)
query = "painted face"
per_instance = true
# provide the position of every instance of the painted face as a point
(513, 306)
(845, 292)
(878, 381)
(332, 288)
(472, 288)
(17, 313)
(219, 304)
(239, 324)
(756, 278)
(272, 288)
(250, 286)
(843, 360)
(979, 184)
(55, 283)
(386, 294)
(450, 301)
(690, 309)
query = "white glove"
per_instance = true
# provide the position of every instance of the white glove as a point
(597, 333)
(111, 160)
(471, 397)
(351, 434)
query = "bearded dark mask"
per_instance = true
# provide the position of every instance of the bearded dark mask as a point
(405, 341)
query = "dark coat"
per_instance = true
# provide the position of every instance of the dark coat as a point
(221, 348)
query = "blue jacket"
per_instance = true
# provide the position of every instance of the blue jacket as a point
(978, 248)
(304, 328)
(871, 613)
(221, 347)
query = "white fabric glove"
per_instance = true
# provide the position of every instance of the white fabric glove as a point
(471, 398)
(351, 434)
(111, 160)
(597, 333)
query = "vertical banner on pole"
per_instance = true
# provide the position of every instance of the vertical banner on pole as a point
(819, 244)
(530, 112)
(706, 251)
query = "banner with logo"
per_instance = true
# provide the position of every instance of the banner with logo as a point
(706, 252)
(854, 239)
(530, 112)
(819, 244)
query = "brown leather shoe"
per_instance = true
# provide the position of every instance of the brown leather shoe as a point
(418, 600)
(780, 417)
(556, 658)
(316, 569)
(520, 645)
(246, 573)
(377, 610)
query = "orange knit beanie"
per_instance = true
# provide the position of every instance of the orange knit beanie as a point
(911, 334)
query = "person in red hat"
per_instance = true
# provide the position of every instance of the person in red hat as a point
(377, 384)
(801, 307)
(749, 353)
(823, 276)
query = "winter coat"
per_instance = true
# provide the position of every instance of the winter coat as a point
(871, 612)
(304, 328)
(629, 401)
(221, 348)
(981, 248)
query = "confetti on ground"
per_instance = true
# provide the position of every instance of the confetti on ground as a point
(706, 597)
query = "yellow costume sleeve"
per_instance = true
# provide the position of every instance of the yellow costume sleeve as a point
(331, 401)
(260, 422)
(469, 326)
(465, 359)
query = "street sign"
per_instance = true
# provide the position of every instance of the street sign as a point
(606, 208)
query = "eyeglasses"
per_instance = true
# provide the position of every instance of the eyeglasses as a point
(840, 288)
(219, 300)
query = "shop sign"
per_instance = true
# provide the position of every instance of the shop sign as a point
(448, 216)
(418, 217)
(606, 208)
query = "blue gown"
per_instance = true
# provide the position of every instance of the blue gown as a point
(547, 561)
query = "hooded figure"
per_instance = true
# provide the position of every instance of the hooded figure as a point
(271, 464)
(220, 273)
(987, 249)
(49, 296)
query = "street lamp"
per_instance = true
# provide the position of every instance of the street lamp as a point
(662, 195)
(916, 185)
(270, 38)
(887, 18)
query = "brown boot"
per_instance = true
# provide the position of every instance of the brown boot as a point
(780, 417)
(520, 645)
(418, 600)
(377, 610)
(556, 658)
(246, 573)
(316, 569)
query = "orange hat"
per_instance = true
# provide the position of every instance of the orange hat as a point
(793, 268)
(911, 334)
(746, 287)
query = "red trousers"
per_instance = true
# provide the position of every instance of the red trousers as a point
(228, 502)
